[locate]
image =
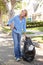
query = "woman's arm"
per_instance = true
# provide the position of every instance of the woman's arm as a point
(11, 23)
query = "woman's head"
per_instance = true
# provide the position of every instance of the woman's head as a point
(24, 13)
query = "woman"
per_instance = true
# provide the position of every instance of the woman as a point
(17, 25)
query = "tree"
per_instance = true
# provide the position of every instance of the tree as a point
(18, 5)
(2, 9)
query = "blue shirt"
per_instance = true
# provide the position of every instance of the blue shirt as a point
(20, 25)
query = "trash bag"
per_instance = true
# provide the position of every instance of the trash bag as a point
(28, 50)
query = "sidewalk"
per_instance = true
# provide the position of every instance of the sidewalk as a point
(7, 55)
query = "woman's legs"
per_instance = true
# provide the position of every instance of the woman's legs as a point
(19, 47)
(16, 39)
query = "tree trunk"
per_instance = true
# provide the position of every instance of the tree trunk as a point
(1, 22)
(13, 2)
(10, 5)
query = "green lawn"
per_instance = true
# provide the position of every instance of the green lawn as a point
(6, 29)
(37, 29)
(39, 39)
(29, 33)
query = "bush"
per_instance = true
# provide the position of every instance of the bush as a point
(34, 24)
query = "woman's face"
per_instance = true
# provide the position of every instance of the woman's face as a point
(23, 13)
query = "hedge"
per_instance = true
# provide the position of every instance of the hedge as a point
(34, 24)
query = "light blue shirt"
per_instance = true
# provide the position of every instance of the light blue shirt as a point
(20, 25)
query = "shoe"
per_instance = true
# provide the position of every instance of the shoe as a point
(18, 59)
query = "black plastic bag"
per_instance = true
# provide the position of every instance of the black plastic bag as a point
(28, 50)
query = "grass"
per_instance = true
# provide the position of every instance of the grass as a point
(6, 29)
(29, 33)
(37, 28)
(39, 39)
